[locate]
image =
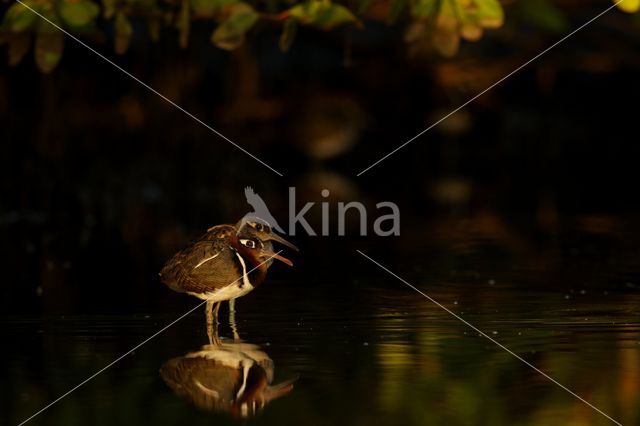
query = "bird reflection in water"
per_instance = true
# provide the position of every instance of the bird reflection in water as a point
(232, 377)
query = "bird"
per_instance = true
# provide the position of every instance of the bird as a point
(261, 211)
(232, 377)
(225, 263)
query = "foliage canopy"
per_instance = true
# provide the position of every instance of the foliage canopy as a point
(440, 24)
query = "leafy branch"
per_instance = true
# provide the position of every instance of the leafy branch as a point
(437, 24)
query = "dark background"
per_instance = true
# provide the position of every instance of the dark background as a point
(102, 179)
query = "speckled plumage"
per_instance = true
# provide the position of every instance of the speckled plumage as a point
(225, 263)
(211, 263)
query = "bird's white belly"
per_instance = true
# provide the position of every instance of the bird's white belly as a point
(232, 291)
(236, 289)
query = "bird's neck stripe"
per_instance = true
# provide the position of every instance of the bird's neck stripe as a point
(245, 376)
(245, 277)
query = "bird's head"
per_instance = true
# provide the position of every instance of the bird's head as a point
(257, 252)
(260, 229)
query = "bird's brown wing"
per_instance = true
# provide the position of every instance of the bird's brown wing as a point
(205, 265)
(209, 384)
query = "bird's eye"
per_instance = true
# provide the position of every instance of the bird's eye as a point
(259, 226)
(248, 243)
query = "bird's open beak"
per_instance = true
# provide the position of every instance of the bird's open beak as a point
(268, 254)
(277, 238)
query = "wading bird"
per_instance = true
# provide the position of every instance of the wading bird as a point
(225, 263)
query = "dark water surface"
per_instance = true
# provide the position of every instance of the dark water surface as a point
(364, 348)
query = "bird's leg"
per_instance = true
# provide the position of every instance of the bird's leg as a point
(215, 311)
(212, 334)
(212, 322)
(232, 319)
(208, 310)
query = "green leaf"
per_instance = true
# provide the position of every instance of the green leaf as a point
(289, 32)
(48, 50)
(78, 13)
(109, 8)
(229, 35)
(363, 6)
(450, 20)
(545, 15)
(184, 23)
(208, 8)
(469, 26)
(397, 6)
(204, 8)
(19, 18)
(424, 8)
(630, 6)
(44, 26)
(154, 27)
(446, 38)
(18, 47)
(322, 14)
(123, 31)
(488, 13)
(334, 16)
